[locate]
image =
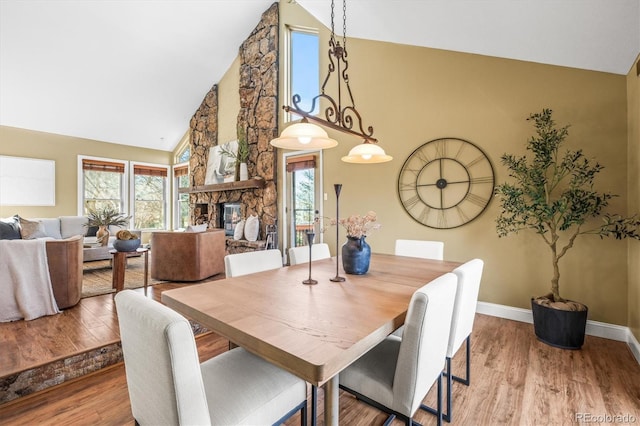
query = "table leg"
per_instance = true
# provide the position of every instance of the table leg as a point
(331, 402)
(119, 261)
(146, 270)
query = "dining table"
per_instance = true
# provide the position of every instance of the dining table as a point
(312, 331)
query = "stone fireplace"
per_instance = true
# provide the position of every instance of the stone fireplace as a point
(258, 114)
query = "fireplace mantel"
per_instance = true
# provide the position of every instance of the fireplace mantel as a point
(229, 186)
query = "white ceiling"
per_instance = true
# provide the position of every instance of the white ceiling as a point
(134, 72)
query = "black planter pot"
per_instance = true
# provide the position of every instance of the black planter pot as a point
(555, 327)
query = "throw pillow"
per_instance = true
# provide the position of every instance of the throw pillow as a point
(32, 229)
(196, 228)
(10, 228)
(251, 228)
(238, 230)
(91, 231)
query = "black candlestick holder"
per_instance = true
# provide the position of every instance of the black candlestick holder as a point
(310, 237)
(338, 188)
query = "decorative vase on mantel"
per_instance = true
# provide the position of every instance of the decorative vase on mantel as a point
(356, 255)
(102, 235)
(244, 173)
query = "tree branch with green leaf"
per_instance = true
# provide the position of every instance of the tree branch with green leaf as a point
(553, 195)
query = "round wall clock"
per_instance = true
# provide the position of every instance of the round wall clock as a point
(446, 183)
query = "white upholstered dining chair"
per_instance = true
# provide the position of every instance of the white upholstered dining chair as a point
(421, 249)
(464, 312)
(168, 385)
(468, 276)
(301, 254)
(396, 375)
(251, 262)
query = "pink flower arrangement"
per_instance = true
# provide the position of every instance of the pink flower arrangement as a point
(359, 226)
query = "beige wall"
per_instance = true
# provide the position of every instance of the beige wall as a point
(633, 118)
(228, 106)
(229, 103)
(64, 150)
(411, 95)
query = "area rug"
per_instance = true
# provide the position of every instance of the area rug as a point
(97, 276)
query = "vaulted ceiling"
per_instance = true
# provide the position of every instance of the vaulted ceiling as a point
(133, 72)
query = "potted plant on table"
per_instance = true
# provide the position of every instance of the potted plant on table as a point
(102, 218)
(553, 195)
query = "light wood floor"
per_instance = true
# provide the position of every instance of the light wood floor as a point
(516, 380)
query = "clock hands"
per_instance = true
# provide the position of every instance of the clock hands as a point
(442, 183)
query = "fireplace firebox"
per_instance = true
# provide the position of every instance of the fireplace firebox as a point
(230, 215)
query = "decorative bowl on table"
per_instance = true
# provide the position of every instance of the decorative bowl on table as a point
(126, 245)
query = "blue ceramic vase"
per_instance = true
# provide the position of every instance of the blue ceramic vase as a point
(356, 254)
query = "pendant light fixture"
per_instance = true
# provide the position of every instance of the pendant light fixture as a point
(337, 115)
(367, 153)
(304, 135)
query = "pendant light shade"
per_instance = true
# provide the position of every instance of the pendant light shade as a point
(304, 135)
(367, 153)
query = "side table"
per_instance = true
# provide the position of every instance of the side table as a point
(120, 263)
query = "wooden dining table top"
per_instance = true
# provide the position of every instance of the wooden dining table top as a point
(313, 331)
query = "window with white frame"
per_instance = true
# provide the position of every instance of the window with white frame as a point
(149, 191)
(181, 200)
(101, 184)
(184, 155)
(303, 67)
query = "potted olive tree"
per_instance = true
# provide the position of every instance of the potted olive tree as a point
(552, 194)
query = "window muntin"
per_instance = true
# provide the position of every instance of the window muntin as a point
(181, 201)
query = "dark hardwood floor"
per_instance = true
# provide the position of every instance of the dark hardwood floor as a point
(516, 380)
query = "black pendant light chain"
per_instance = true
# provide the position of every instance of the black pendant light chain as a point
(333, 34)
(344, 24)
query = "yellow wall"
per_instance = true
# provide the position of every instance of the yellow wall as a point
(411, 95)
(229, 103)
(633, 117)
(64, 150)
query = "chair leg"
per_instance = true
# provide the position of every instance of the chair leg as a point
(303, 415)
(392, 414)
(439, 422)
(466, 381)
(389, 420)
(314, 404)
(447, 416)
(438, 410)
(302, 407)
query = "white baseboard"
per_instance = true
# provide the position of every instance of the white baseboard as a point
(503, 311)
(594, 328)
(634, 346)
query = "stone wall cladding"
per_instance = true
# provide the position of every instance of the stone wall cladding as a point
(258, 115)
